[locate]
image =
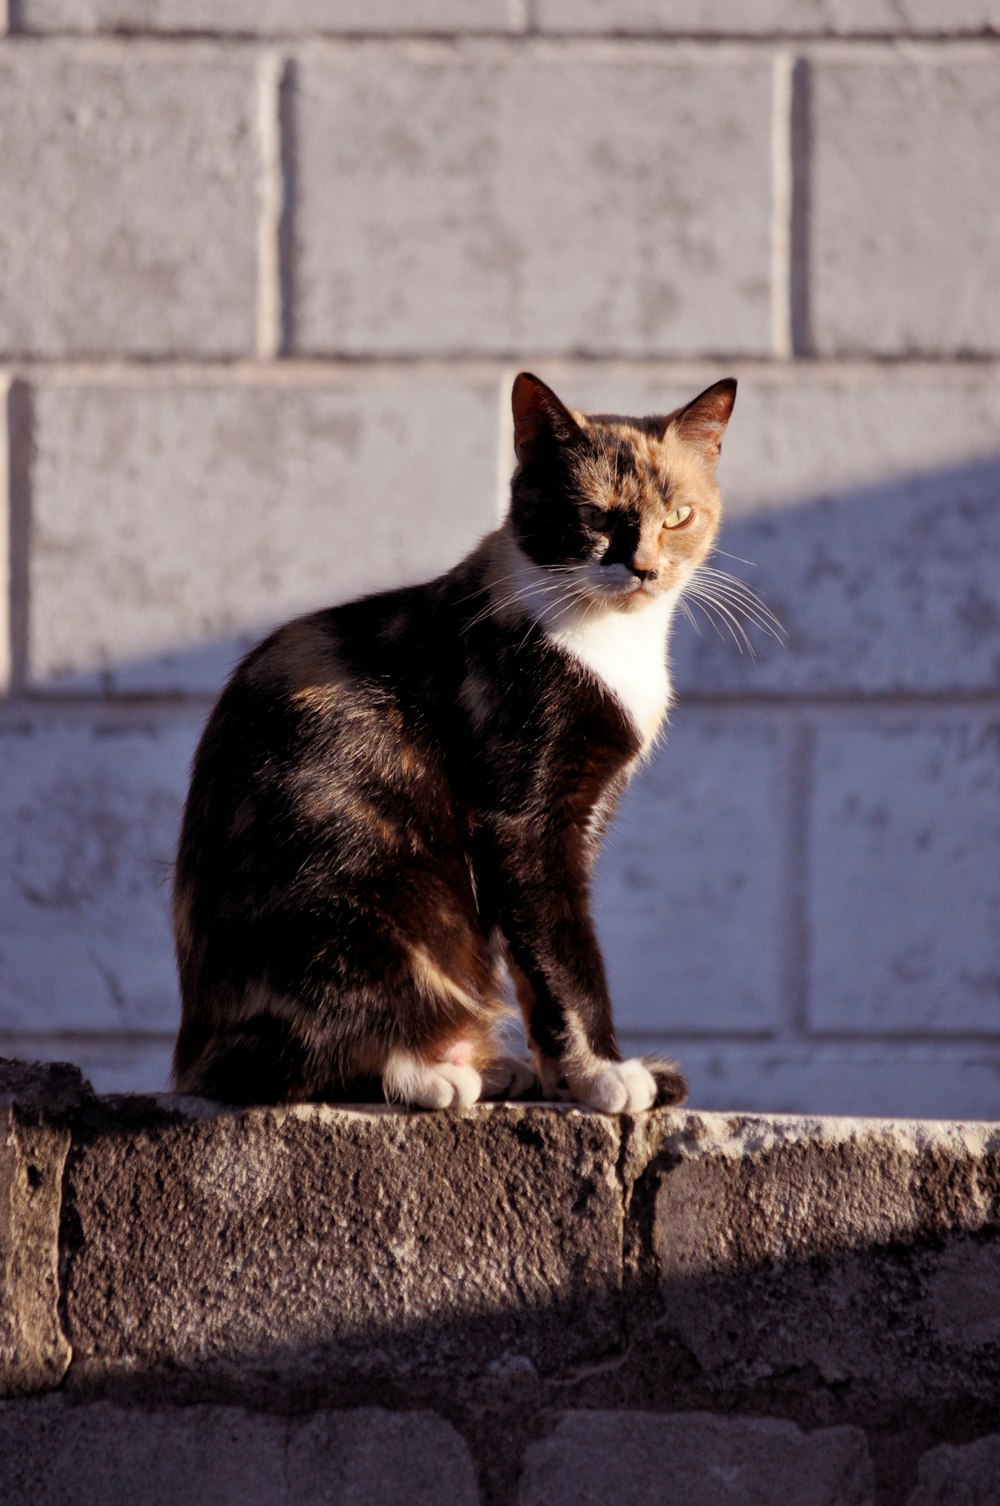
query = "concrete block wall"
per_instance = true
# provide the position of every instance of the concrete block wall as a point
(266, 271)
(295, 1305)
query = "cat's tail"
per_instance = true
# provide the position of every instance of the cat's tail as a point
(671, 1084)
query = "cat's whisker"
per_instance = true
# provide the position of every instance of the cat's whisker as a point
(738, 632)
(738, 557)
(708, 615)
(683, 607)
(743, 599)
(750, 609)
(523, 594)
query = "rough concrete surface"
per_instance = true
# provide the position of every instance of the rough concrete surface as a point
(84, 143)
(797, 17)
(865, 1253)
(267, 17)
(55, 1453)
(889, 183)
(138, 574)
(964, 1476)
(694, 1459)
(323, 1242)
(502, 215)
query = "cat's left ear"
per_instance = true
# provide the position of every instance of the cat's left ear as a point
(703, 421)
(539, 416)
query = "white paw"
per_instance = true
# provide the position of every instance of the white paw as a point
(615, 1087)
(508, 1077)
(440, 1085)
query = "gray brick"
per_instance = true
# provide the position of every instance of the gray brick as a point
(54, 1451)
(647, 1460)
(868, 506)
(970, 1474)
(343, 1243)
(768, 17)
(904, 890)
(89, 812)
(173, 525)
(787, 1245)
(127, 207)
(688, 898)
(269, 17)
(903, 239)
(640, 226)
(904, 1079)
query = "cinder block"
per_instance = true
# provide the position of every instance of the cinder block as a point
(89, 813)
(904, 884)
(303, 1246)
(174, 525)
(903, 242)
(867, 505)
(689, 887)
(367, 1457)
(880, 1079)
(595, 1457)
(768, 17)
(54, 1451)
(269, 17)
(128, 207)
(968, 1474)
(638, 225)
(824, 1246)
(34, 1140)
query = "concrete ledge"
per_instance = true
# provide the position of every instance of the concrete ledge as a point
(515, 1303)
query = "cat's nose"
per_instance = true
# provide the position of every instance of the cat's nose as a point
(643, 568)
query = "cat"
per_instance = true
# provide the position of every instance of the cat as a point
(395, 798)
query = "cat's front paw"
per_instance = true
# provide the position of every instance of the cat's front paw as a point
(431, 1085)
(614, 1087)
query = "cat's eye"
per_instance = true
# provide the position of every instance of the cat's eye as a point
(592, 517)
(678, 516)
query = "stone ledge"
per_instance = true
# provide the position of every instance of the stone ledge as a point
(514, 1279)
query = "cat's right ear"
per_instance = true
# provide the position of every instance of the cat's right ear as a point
(539, 416)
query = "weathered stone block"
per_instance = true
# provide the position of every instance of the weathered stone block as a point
(316, 1244)
(596, 1457)
(904, 887)
(173, 525)
(689, 887)
(640, 227)
(34, 1140)
(970, 1474)
(767, 17)
(268, 17)
(868, 508)
(90, 808)
(96, 1454)
(127, 207)
(812, 1245)
(903, 243)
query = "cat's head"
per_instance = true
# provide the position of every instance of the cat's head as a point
(627, 507)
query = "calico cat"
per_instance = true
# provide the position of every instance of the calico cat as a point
(396, 798)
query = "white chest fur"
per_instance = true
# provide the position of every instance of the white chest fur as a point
(627, 651)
